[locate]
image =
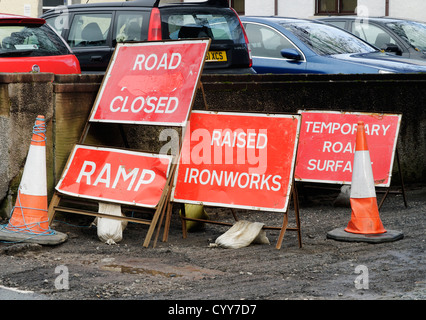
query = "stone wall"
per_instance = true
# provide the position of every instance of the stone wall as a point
(66, 102)
(390, 93)
(22, 98)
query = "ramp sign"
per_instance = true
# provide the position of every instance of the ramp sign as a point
(115, 175)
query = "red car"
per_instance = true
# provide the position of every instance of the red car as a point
(31, 45)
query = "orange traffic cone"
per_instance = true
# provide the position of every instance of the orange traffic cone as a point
(29, 221)
(365, 213)
(365, 224)
(30, 211)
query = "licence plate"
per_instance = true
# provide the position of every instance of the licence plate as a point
(216, 56)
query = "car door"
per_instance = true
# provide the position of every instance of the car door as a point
(377, 36)
(89, 37)
(266, 44)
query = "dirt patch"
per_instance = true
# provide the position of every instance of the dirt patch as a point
(183, 269)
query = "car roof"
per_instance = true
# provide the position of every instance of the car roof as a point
(278, 20)
(139, 3)
(17, 19)
(377, 19)
(148, 4)
(275, 19)
(210, 3)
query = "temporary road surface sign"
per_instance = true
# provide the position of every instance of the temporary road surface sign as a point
(327, 143)
(237, 160)
(151, 83)
(115, 175)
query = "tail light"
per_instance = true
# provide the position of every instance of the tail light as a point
(154, 30)
(245, 37)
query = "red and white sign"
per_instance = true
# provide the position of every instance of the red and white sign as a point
(327, 145)
(237, 160)
(115, 175)
(151, 83)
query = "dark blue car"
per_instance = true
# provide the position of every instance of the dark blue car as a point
(289, 45)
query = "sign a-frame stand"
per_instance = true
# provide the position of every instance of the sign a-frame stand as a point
(327, 144)
(147, 83)
(239, 160)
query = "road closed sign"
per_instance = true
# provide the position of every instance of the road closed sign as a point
(237, 160)
(327, 145)
(115, 175)
(151, 83)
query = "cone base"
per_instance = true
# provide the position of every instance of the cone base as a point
(42, 239)
(341, 235)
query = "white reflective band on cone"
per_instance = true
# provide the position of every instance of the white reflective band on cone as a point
(362, 185)
(33, 180)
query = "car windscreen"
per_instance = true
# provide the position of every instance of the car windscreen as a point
(220, 25)
(413, 32)
(30, 41)
(326, 39)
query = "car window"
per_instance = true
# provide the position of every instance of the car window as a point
(337, 23)
(372, 34)
(30, 41)
(129, 26)
(413, 32)
(188, 24)
(88, 30)
(327, 40)
(51, 22)
(59, 22)
(266, 42)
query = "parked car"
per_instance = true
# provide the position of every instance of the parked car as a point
(30, 45)
(289, 45)
(92, 30)
(402, 37)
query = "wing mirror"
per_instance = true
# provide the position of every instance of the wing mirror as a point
(390, 47)
(291, 54)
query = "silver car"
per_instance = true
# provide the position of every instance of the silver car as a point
(405, 38)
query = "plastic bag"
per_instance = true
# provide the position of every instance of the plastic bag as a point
(110, 231)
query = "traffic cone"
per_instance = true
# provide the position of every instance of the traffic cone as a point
(365, 212)
(29, 217)
(30, 211)
(365, 224)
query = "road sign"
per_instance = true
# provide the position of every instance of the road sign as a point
(327, 145)
(237, 160)
(115, 175)
(151, 83)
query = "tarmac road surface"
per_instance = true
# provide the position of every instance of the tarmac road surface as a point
(190, 269)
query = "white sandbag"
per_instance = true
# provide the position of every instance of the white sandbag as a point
(110, 231)
(242, 234)
(261, 238)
